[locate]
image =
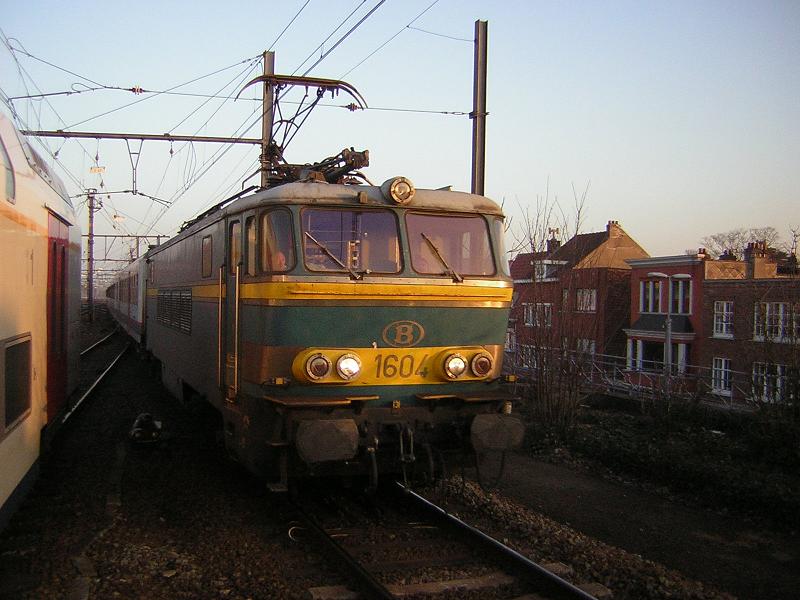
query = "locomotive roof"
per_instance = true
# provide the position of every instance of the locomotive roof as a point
(331, 194)
(328, 193)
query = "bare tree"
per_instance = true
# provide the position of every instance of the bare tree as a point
(736, 240)
(551, 353)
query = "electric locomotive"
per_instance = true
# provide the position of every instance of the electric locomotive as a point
(40, 317)
(338, 328)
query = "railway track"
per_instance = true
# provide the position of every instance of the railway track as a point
(96, 362)
(401, 545)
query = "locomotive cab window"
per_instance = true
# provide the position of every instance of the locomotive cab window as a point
(277, 241)
(358, 241)
(250, 254)
(206, 256)
(235, 245)
(452, 245)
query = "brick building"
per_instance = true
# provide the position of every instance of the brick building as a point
(733, 327)
(573, 296)
(751, 331)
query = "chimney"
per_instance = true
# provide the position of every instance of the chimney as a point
(702, 254)
(759, 263)
(553, 244)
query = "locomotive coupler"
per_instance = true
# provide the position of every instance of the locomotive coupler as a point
(407, 457)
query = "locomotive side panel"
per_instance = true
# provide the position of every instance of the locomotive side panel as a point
(182, 311)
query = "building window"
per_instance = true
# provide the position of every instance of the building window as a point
(543, 316)
(528, 309)
(681, 297)
(538, 315)
(723, 319)
(511, 340)
(650, 296)
(769, 382)
(587, 300)
(547, 270)
(721, 376)
(565, 299)
(776, 322)
(527, 356)
(206, 258)
(585, 346)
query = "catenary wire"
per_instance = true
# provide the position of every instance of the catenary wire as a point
(330, 35)
(155, 94)
(371, 54)
(302, 8)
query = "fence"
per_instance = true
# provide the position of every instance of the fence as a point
(609, 374)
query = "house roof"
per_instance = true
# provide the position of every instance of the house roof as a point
(578, 247)
(601, 249)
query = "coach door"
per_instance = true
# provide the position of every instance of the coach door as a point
(58, 244)
(234, 268)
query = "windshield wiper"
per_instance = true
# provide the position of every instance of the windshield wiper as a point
(449, 270)
(333, 257)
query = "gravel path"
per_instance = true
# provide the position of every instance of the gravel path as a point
(728, 552)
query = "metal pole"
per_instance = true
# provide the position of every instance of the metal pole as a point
(267, 119)
(668, 342)
(478, 114)
(90, 257)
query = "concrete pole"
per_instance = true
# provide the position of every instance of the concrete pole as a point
(478, 114)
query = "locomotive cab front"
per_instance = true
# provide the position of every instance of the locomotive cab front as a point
(363, 328)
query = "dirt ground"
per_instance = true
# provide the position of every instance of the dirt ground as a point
(733, 554)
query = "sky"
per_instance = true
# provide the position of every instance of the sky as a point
(677, 119)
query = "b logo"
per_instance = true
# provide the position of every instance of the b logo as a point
(403, 334)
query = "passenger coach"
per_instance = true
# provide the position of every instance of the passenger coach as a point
(40, 316)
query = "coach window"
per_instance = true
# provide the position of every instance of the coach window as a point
(206, 251)
(235, 243)
(8, 174)
(15, 397)
(277, 241)
(250, 249)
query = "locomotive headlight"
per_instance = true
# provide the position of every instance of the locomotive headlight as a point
(454, 366)
(481, 364)
(398, 189)
(348, 366)
(317, 366)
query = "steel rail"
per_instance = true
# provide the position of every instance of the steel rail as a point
(97, 343)
(94, 385)
(553, 584)
(369, 584)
